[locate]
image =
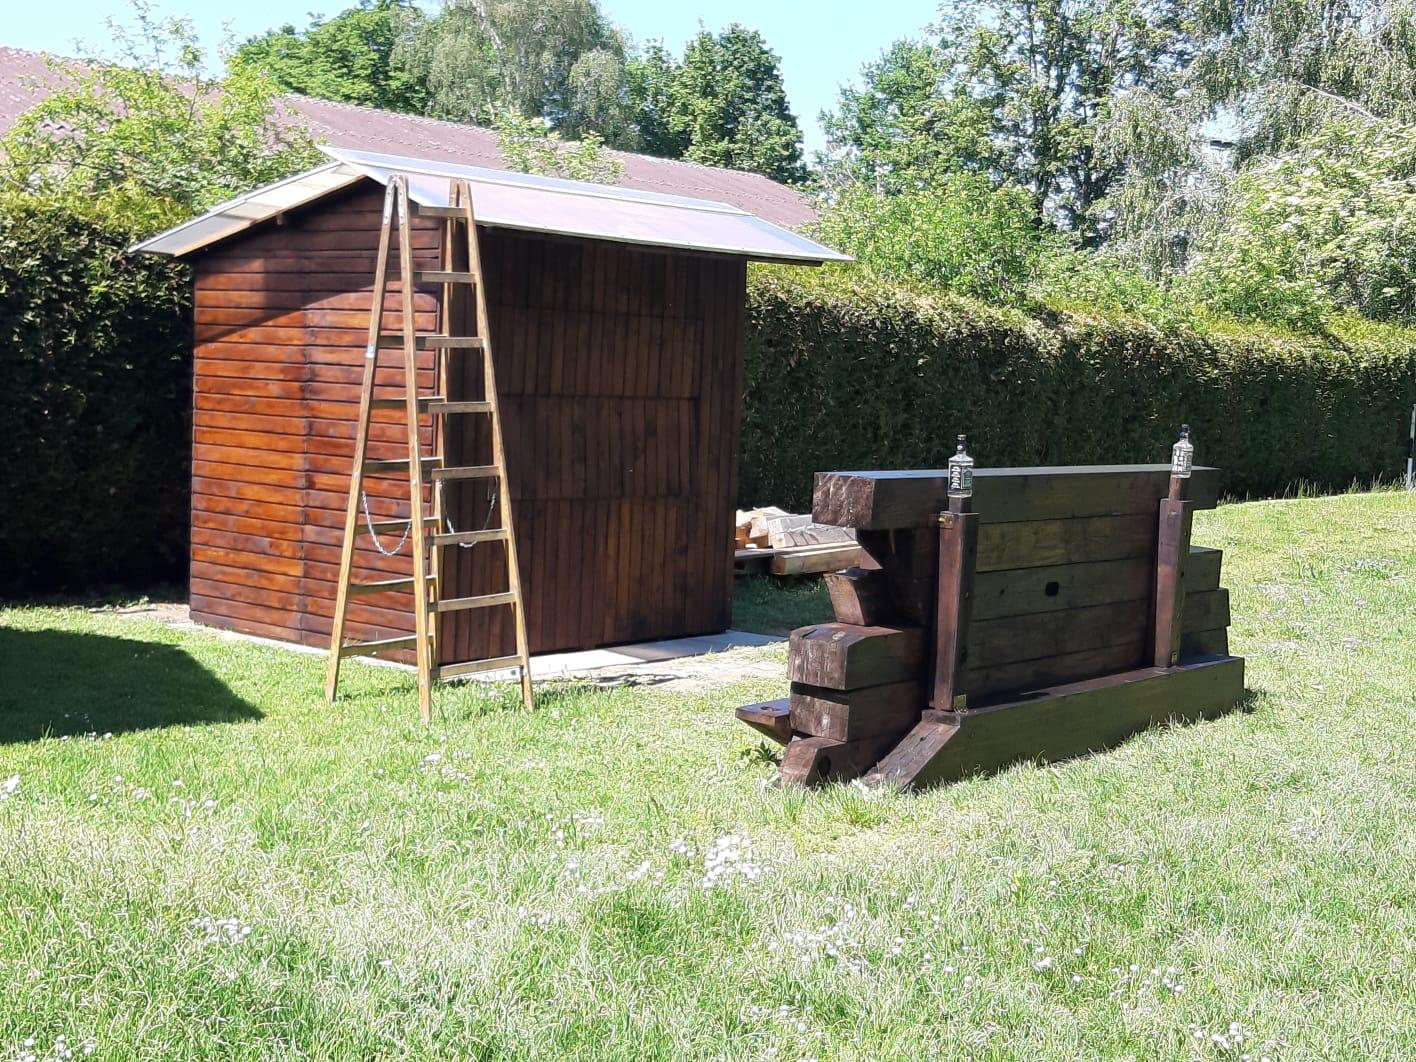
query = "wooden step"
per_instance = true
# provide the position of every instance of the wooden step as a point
(443, 276)
(466, 472)
(386, 645)
(441, 408)
(385, 586)
(395, 527)
(457, 604)
(476, 667)
(399, 464)
(458, 213)
(432, 341)
(467, 538)
(400, 404)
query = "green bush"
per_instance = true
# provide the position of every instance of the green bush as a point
(95, 355)
(845, 372)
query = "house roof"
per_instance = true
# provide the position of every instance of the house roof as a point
(513, 200)
(27, 77)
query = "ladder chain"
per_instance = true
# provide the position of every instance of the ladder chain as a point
(369, 523)
(491, 504)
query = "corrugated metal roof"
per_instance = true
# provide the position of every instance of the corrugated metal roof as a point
(515, 201)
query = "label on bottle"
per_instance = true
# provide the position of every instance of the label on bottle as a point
(1182, 459)
(960, 480)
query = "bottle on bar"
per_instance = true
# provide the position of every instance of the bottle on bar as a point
(961, 467)
(1182, 454)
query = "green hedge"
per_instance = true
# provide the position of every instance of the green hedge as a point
(843, 372)
(95, 393)
(95, 397)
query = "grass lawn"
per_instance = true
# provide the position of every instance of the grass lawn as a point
(201, 859)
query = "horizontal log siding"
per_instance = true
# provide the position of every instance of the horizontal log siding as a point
(619, 371)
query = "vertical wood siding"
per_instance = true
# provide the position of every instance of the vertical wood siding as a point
(620, 371)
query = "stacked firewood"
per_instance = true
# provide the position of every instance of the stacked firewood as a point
(773, 528)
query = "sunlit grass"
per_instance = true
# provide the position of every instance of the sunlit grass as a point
(242, 871)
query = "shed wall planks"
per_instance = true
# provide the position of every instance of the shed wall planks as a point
(620, 373)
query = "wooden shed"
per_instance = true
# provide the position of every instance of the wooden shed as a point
(617, 317)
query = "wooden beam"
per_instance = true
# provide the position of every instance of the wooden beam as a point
(958, 553)
(847, 715)
(817, 760)
(1059, 723)
(772, 718)
(881, 500)
(842, 656)
(861, 597)
(1172, 552)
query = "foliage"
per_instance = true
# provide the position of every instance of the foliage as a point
(1329, 224)
(1014, 88)
(528, 147)
(148, 140)
(907, 124)
(95, 355)
(960, 235)
(560, 60)
(844, 371)
(351, 57)
(724, 104)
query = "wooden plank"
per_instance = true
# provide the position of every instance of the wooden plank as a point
(811, 761)
(846, 715)
(1206, 610)
(882, 500)
(1171, 556)
(841, 656)
(860, 597)
(953, 630)
(1064, 722)
(1204, 643)
(812, 560)
(1033, 543)
(1203, 570)
(1052, 587)
(771, 718)
(1018, 676)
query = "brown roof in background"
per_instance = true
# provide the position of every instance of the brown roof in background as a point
(26, 77)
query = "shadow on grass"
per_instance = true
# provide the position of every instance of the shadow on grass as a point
(54, 683)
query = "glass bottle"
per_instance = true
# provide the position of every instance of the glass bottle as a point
(1182, 454)
(961, 467)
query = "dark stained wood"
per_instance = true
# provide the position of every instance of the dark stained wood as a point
(1066, 721)
(850, 714)
(772, 718)
(1051, 587)
(841, 656)
(958, 555)
(882, 500)
(818, 760)
(1172, 554)
(1033, 543)
(1203, 567)
(619, 373)
(860, 596)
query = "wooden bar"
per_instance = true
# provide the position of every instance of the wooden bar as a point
(958, 553)
(883, 500)
(1172, 552)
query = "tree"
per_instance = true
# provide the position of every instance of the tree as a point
(528, 147)
(724, 104)
(1016, 88)
(147, 140)
(906, 125)
(560, 60)
(352, 57)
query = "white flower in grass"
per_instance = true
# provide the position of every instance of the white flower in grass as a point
(221, 930)
(729, 859)
(9, 787)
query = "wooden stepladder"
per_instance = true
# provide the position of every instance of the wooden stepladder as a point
(460, 283)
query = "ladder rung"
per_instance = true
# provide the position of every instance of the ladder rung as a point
(386, 645)
(432, 341)
(465, 538)
(399, 464)
(440, 408)
(384, 586)
(459, 213)
(476, 667)
(457, 604)
(391, 527)
(436, 276)
(399, 403)
(466, 472)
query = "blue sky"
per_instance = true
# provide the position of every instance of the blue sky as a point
(821, 44)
